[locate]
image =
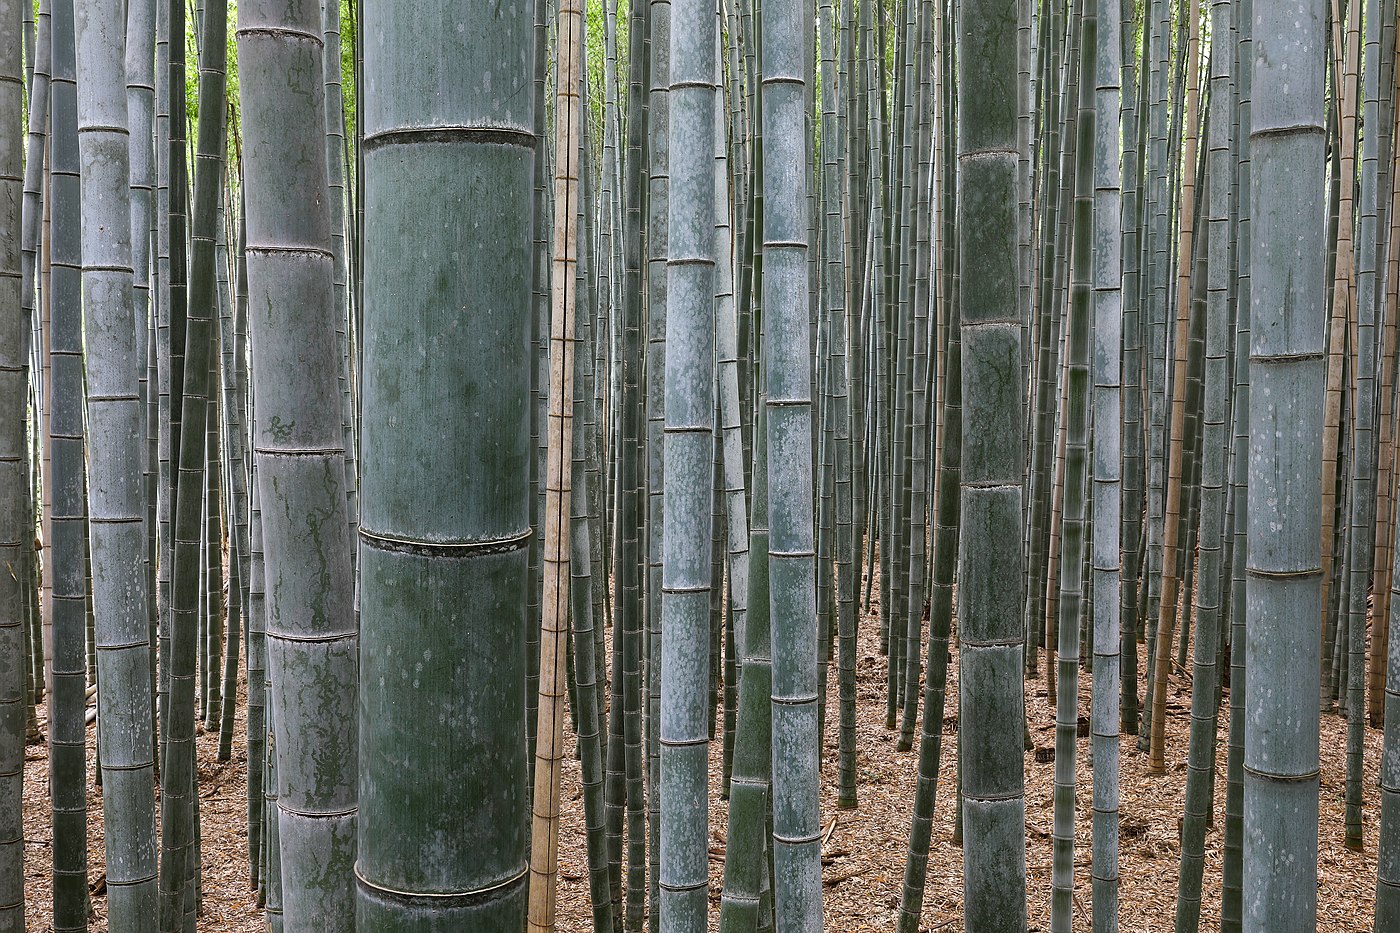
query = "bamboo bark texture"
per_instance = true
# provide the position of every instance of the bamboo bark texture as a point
(993, 466)
(445, 498)
(311, 637)
(1286, 375)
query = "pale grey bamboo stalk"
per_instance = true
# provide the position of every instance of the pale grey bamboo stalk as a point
(797, 889)
(312, 638)
(1107, 405)
(688, 454)
(1286, 374)
(116, 523)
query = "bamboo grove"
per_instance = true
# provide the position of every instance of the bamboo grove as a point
(484, 385)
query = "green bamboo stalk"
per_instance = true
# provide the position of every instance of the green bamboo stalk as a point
(792, 584)
(336, 200)
(657, 156)
(993, 464)
(67, 735)
(688, 445)
(945, 558)
(1157, 247)
(117, 511)
(586, 638)
(629, 556)
(1201, 754)
(16, 507)
(140, 105)
(1287, 370)
(1133, 91)
(746, 860)
(165, 484)
(1076, 494)
(1363, 504)
(257, 695)
(1172, 525)
(442, 837)
(310, 626)
(1232, 862)
(736, 502)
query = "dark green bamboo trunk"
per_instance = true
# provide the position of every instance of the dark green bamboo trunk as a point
(67, 735)
(443, 768)
(16, 508)
(993, 465)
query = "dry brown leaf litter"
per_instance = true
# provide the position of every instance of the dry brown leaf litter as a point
(863, 856)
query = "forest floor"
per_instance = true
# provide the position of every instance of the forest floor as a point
(864, 849)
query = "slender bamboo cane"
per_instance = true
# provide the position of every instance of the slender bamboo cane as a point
(549, 744)
(1345, 57)
(114, 418)
(1171, 533)
(1108, 462)
(1201, 756)
(1076, 480)
(67, 736)
(16, 508)
(1363, 503)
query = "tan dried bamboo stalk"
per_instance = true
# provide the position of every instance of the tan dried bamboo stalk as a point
(1171, 530)
(554, 619)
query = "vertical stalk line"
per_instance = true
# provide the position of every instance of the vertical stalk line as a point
(116, 528)
(590, 671)
(945, 558)
(1078, 415)
(655, 234)
(1156, 249)
(736, 505)
(787, 377)
(1388, 217)
(66, 400)
(1171, 529)
(744, 901)
(1345, 55)
(140, 105)
(1363, 505)
(32, 207)
(1133, 89)
(993, 466)
(1108, 405)
(1287, 369)
(311, 638)
(688, 467)
(1232, 862)
(16, 506)
(1201, 754)
(549, 743)
(444, 552)
(341, 251)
